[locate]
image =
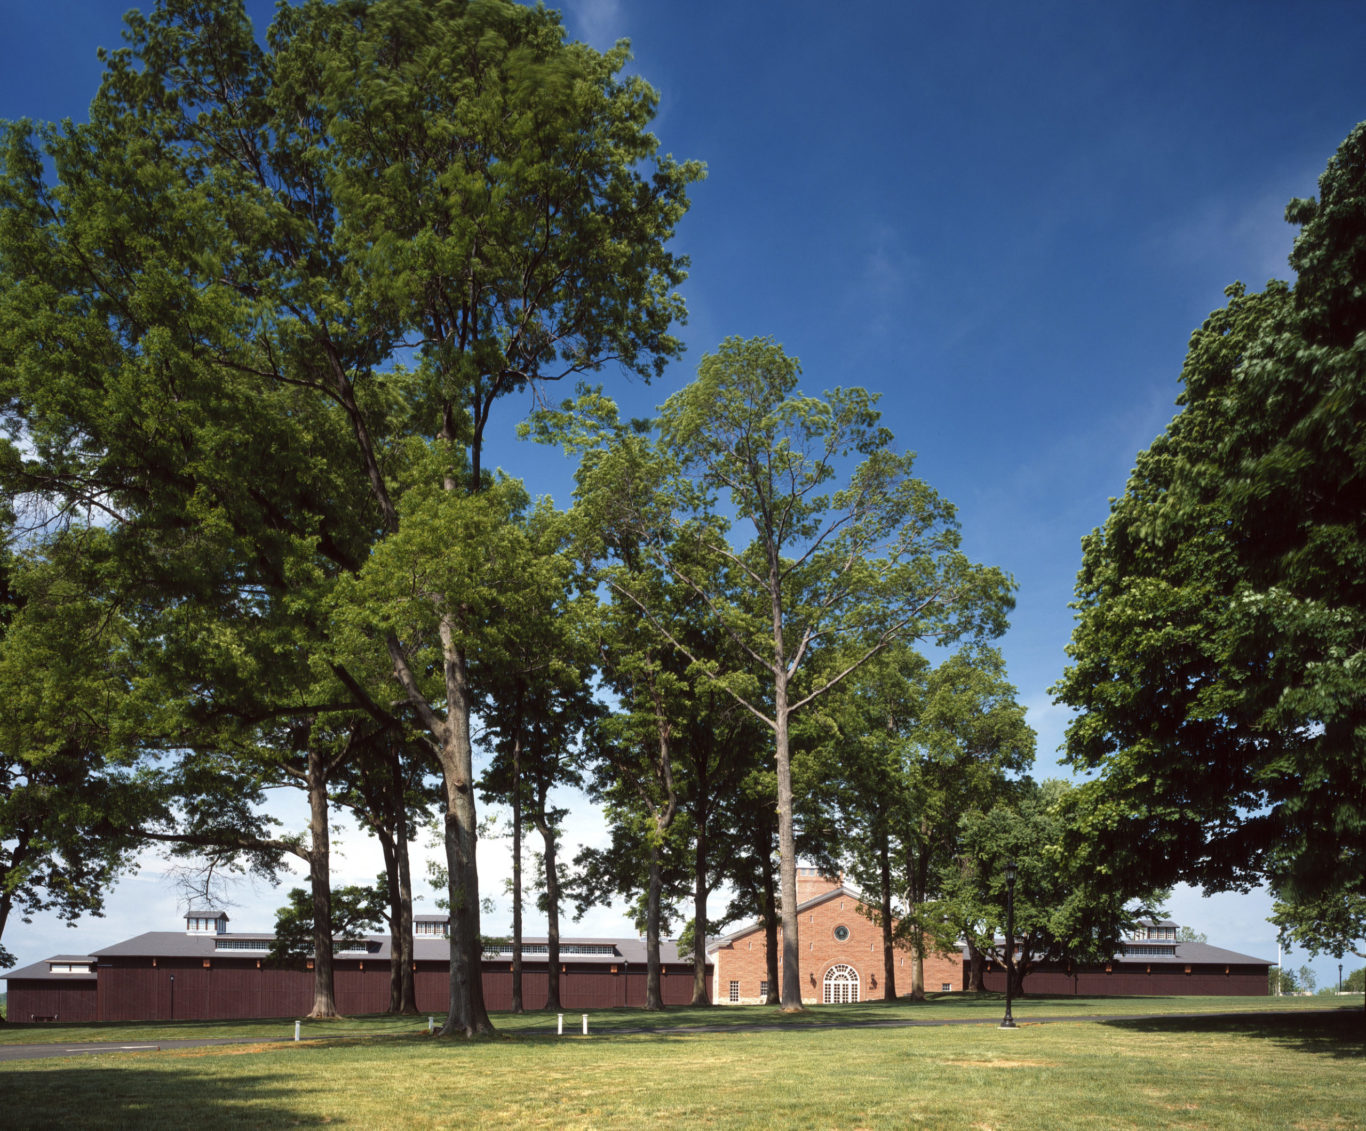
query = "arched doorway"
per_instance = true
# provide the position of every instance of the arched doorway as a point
(841, 984)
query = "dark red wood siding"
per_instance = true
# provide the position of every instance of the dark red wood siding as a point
(586, 987)
(1126, 980)
(66, 1001)
(132, 989)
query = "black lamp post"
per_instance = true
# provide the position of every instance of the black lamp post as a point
(1009, 1022)
(1339, 977)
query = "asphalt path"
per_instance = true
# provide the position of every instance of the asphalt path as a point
(56, 1050)
(37, 1052)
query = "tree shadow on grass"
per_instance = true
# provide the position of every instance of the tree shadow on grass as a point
(125, 1094)
(1340, 1034)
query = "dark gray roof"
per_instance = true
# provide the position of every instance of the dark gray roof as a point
(207, 944)
(178, 944)
(170, 944)
(628, 950)
(1180, 954)
(43, 969)
(1203, 952)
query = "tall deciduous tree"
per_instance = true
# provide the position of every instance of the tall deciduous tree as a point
(132, 367)
(1221, 632)
(68, 786)
(848, 552)
(523, 242)
(196, 324)
(721, 745)
(537, 700)
(637, 752)
(391, 792)
(921, 749)
(1064, 910)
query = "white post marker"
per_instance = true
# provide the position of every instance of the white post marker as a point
(296, 1029)
(431, 1025)
(585, 1024)
(559, 1032)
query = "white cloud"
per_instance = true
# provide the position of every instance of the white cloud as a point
(1049, 721)
(597, 22)
(1249, 238)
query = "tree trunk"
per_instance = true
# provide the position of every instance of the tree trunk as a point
(320, 882)
(386, 844)
(976, 963)
(467, 1015)
(517, 1004)
(664, 816)
(7, 895)
(699, 922)
(885, 914)
(787, 858)
(770, 915)
(407, 984)
(654, 998)
(916, 883)
(552, 917)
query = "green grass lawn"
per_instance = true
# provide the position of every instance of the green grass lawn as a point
(1193, 1069)
(938, 1007)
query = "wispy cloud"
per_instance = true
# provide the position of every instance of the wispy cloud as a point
(880, 290)
(598, 23)
(1250, 235)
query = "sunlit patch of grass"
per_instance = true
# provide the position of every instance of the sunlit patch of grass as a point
(1197, 1071)
(937, 1007)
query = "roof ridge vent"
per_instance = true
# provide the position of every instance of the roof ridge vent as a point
(206, 921)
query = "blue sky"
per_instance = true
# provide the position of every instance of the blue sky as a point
(1007, 219)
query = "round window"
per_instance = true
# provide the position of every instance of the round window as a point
(842, 933)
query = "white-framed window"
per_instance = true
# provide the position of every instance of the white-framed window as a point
(763, 990)
(735, 991)
(946, 987)
(841, 985)
(204, 924)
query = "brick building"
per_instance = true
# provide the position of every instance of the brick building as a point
(841, 952)
(841, 960)
(206, 971)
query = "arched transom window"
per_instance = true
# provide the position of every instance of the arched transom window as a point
(841, 984)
